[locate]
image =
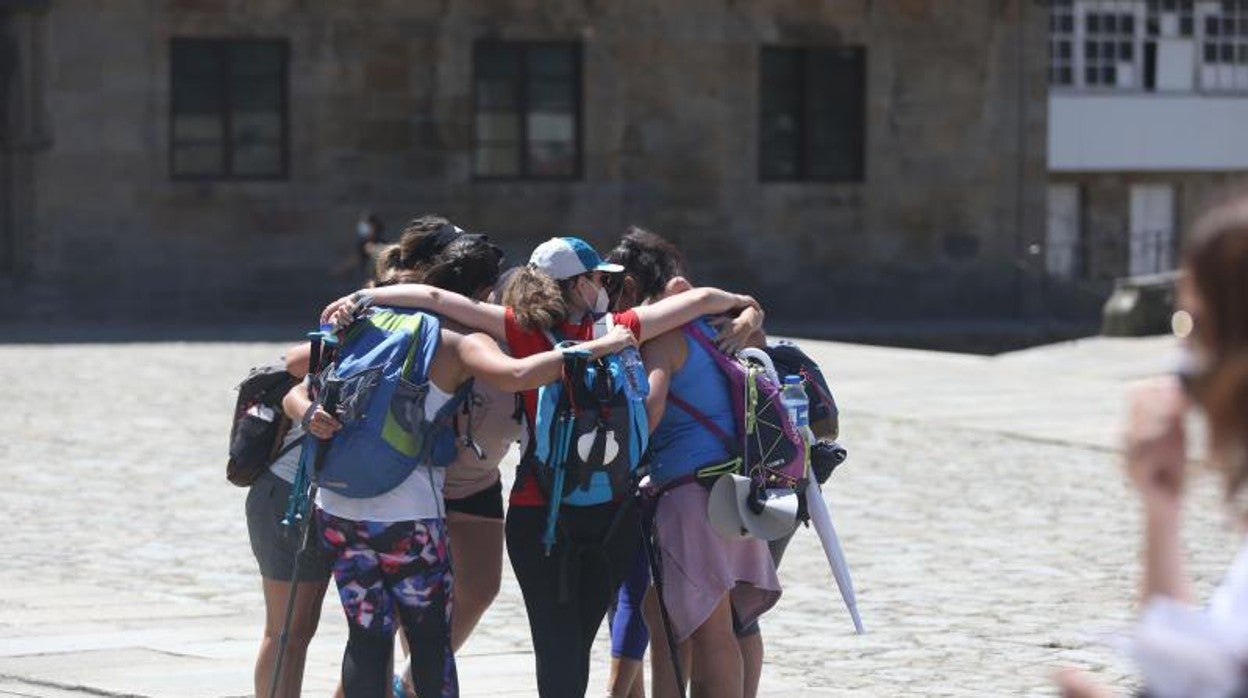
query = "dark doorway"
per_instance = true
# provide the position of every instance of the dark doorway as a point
(8, 97)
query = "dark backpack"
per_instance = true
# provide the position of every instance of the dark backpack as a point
(765, 446)
(790, 360)
(825, 454)
(259, 423)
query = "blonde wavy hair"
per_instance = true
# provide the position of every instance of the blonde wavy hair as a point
(538, 301)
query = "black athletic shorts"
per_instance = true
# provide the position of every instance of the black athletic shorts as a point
(488, 503)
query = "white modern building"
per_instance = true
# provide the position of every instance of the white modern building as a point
(1148, 118)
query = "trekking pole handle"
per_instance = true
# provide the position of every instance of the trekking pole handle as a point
(576, 357)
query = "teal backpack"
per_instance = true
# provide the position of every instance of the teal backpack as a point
(379, 381)
(591, 432)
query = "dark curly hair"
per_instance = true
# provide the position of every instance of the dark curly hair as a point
(650, 260)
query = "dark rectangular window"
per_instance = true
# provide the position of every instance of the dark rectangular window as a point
(812, 120)
(528, 110)
(228, 109)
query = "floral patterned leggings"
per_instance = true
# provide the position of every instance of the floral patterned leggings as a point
(381, 568)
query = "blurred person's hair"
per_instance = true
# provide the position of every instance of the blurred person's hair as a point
(374, 221)
(1216, 257)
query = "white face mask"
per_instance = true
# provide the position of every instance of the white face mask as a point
(600, 303)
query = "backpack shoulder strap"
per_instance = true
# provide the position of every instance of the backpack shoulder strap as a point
(704, 421)
(696, 333)
(446, 413)
(443, 425)
(603, 325)
(686, 406)
(426, 339)
(551, 337)
(469, 402)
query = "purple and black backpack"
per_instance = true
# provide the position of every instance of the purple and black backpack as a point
(765, 446)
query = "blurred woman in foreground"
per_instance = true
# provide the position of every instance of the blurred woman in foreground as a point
(1181, 649)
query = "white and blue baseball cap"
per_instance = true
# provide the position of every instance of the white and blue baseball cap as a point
(564, 258)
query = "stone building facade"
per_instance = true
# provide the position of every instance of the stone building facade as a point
(1148, 102)
(920, 196)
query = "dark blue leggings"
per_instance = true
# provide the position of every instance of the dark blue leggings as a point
(629, 635)
(568, 592)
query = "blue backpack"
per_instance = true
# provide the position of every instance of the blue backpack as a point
(590, 433)
(379, 381)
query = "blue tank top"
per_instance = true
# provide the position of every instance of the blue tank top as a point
(680, 444)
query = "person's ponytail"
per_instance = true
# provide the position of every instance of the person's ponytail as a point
(388, 261)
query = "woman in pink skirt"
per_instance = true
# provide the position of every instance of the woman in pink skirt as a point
(706, 579)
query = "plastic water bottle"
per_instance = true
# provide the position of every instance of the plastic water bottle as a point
(636, 384)
(793, 395)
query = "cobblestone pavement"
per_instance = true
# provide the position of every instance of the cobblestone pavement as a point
(989, 530)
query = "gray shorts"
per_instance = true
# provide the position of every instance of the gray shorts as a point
(272, 543)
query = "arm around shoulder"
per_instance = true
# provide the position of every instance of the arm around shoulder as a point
(479, 315)
(682, 308)
(483, 359)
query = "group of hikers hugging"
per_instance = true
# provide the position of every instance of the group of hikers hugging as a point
(668, 451)
(621, 381)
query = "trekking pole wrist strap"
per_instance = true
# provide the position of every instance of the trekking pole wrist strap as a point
(306, 420)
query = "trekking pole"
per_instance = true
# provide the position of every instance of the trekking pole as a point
(559, 452)
(573, 364)
(656, 574)
(303, 490)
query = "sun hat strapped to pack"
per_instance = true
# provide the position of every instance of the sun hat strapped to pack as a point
(590, 433)
(728, 509)
(767, 454)
(380, 378)
(259, 424)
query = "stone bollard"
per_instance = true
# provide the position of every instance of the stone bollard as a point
(1139, 306)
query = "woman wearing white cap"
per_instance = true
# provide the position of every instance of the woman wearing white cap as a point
(561, 291)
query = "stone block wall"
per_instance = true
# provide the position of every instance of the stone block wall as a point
(380, 116)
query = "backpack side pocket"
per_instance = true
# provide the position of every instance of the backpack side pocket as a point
(354, 394)
(404, 420)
